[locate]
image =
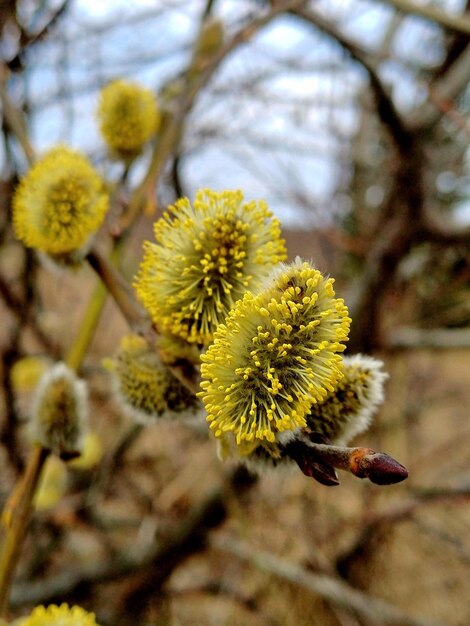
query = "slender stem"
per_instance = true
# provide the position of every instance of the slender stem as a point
(457, 23)
(92, 315)
(137, 319)
(117, 288)
(13, 117)
(15, 519)
(378, 467)
(143, 196)
(87, 328)
(334, 590)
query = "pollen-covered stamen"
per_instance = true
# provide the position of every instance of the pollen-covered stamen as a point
(204, 260)
(276, 354)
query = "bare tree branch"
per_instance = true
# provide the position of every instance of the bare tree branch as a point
(445, 19)
(447, 88)
(386, 109)
(13, 117)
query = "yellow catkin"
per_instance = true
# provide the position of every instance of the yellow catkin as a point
(145, 387)
(60, 412)
(62, 615)
(52, 484)
(347, 411)
(59, 203)
(27, 371)
(128, 116)
(206, 256)
(91, 454)
(277, 353)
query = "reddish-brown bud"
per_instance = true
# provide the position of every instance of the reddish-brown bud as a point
(378, 467)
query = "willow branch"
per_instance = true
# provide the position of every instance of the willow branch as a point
(134, 314)
(171, 131)
(13, 117)
(318, 461)
(28, 40)
(15, 517)
(386, 109)
(379, 524)
(119, 289)
(87, 327)
(456, 23)
(446, 89)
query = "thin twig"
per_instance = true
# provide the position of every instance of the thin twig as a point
(118, 288)
(13, 117)
(437, 338)
(386, 109)
(111, 463)
(457, 23)
(446, 89)
(171, 132)
(318, 460)
(15, 517)
(136, 317)
(378, 524)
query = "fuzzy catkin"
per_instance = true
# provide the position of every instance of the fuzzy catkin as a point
(206, 256)
(278, 353)
(59, 203)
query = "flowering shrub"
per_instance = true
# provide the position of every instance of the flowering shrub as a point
(228, 330)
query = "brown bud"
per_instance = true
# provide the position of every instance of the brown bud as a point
(378, 467)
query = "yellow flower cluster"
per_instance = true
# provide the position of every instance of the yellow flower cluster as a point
(145, 387)
(128, 116)
(206, 257)
(275, 356)
(59, 203)
(62, 615)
